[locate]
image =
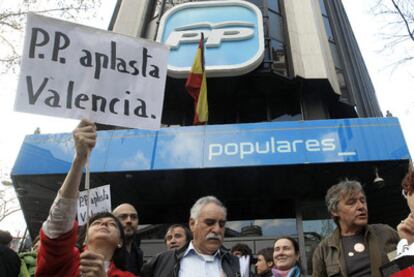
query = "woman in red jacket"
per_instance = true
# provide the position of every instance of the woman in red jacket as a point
(103, 255)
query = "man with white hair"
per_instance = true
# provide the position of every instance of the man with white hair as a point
(204, 255)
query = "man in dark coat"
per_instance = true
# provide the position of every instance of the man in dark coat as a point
(9, 260)
(204, 255)
(128, 215)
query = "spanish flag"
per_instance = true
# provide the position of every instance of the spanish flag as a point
(196, 85)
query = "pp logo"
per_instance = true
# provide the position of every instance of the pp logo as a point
(233, 32)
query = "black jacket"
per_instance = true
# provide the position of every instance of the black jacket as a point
(135, 259)
(167, 264)
(266, 274)
(9, 262)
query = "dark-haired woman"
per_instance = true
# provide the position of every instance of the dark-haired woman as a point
(103, 255)
(286, 258)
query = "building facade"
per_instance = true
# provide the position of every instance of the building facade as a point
(292, 111)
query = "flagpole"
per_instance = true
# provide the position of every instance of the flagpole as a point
(87, 187)
(196, 85)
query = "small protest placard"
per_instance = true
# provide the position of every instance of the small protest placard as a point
(74, 71)
(99, 201)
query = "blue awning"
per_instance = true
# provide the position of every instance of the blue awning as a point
(219, 146)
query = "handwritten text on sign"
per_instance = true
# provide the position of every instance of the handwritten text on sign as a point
(99, 201)
(73, 71)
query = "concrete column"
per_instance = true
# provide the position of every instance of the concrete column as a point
(132, 16)
(308, 44)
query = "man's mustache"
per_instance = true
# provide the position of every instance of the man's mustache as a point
(213, 236)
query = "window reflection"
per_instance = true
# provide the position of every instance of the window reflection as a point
(276, 43)
(335, 56)
(339, 68)
(315, 231)
(261, 227)
(279, 64)
(322, 227)
(323, 8)
(328, 29)
(276, 26)
(274, 5)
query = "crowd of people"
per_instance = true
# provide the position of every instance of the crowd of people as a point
(110, 247)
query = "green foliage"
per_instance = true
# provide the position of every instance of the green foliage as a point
(28, 265)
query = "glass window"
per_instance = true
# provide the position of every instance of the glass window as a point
(274, 5)
(335, 56)
(283, 106)
(288, 117)
(258, 3)
(323, 8)
(322, 227)
(317, 224)
(275, 52)
(276, 26)
(277, 48)
(262, 227)
(341, 79)
(279, 63)
(328, 28)
(315, 231)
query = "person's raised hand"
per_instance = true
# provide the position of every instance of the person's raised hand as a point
(406, 228)
(92, 264)
(85, 138)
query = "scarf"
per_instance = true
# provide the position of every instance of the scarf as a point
(293, 272)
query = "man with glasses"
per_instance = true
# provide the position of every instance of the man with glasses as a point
(204, 255)
(128, 215)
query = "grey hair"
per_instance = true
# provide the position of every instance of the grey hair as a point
(201, 202)
(342, 189)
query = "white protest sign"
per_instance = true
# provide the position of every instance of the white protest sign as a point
(73, 71)
(99, 201)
